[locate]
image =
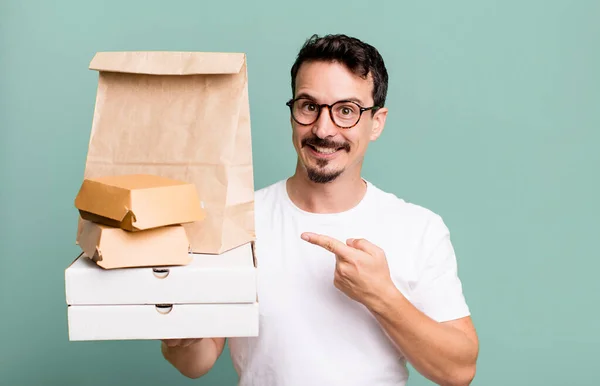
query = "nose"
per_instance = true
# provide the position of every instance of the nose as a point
(324, 126)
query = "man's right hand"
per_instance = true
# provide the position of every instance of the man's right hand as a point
(192, 357)
(181, 342)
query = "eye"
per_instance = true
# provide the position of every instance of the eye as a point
(309, 106)
(346, 110)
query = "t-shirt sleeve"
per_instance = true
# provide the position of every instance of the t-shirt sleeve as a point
(438, 291)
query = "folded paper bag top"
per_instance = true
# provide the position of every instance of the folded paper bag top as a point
(137, 202)
(168, 63)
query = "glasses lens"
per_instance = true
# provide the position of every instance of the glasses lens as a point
(345, 114)
(305, 111)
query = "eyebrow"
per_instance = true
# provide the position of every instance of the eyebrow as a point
(305, 95)
(354, 100)
(308, 96)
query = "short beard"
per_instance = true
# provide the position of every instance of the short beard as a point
(322, 177)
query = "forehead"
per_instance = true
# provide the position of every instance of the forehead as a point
(328, 82)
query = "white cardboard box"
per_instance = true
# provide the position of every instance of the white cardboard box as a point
(151, 322)
(226, 278)
(213, 296)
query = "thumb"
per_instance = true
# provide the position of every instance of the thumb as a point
(355, 243)
(363, 245)
(171, 342)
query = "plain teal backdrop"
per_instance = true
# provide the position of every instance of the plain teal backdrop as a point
(494, 123)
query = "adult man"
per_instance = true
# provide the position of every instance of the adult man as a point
(353, 281)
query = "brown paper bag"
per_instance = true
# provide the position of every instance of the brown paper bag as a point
(181, 115)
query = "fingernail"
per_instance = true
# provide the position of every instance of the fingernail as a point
(305, 237)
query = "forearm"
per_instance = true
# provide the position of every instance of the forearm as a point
(195, 360)
(443, 354)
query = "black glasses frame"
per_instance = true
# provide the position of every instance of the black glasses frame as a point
(291, 102)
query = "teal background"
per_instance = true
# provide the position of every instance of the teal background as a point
(494, 124)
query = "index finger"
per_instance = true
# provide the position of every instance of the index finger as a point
(329, 243)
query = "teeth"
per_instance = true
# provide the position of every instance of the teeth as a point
(324, 150)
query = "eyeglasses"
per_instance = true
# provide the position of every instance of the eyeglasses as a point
(344, 114)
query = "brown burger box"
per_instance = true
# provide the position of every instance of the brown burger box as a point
(136, 202)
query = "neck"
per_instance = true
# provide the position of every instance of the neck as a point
(339, 195)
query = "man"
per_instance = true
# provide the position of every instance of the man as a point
(353, 281)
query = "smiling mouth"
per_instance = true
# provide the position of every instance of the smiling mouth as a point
(324, 150)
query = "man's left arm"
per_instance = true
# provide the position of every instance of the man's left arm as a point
(444, 352)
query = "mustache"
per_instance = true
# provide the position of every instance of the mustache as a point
(325, 143)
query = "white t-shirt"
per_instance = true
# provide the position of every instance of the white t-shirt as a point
(310, 333)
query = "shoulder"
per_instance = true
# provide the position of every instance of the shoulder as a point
(399, 211)
(269, 194)
(269, 199)
(418, 229)
(270, 209)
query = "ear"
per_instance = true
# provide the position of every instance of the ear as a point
(378, 123)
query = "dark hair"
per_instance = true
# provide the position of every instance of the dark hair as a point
(359, 57)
